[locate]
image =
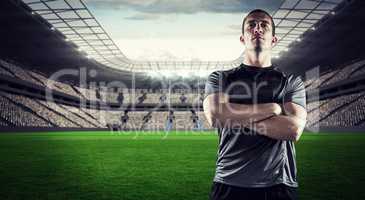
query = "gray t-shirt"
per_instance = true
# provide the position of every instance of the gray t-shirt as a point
(252, 160)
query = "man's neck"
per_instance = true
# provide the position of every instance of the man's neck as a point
(262, 59)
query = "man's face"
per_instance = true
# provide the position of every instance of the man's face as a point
(257, 32)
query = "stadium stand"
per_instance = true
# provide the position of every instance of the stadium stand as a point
(55, 85)
(345, 111)
(18, 72)
(314, 83)
(359, 71)
(58, 119)
(6, 72)
(345, 72)
(342, 110)
(8, 68)
(19, 115)
(50, 114)
(340, 73)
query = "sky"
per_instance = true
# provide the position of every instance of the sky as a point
(206, 30)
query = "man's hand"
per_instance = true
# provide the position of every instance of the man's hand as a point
(277, 109)
(284, 127)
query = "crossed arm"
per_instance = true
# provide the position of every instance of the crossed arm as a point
(269, 118)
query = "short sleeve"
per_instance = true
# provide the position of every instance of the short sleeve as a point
(214, 83)
(295, 91)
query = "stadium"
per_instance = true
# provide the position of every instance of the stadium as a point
(80, 119)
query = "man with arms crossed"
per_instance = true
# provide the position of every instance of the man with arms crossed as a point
(259, 112)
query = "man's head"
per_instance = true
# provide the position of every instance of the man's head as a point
(258, 30)
(262, 12)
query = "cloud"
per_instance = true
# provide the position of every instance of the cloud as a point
(144, 16)
(211, 49)
(186, 6)
(230, 33)
(235, 27)
(232, 30)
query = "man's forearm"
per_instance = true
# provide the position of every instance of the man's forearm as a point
(231, 114)
(281, 127)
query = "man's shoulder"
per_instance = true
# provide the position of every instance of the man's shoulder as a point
(294, 79)
(224, 73)
(291, 77)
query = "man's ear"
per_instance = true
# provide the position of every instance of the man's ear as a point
(274, 41)
(242, 39)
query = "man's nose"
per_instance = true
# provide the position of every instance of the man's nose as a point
(257, 29)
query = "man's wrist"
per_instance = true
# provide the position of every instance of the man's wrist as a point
(252, 128)
(282, 109)
(261, 120)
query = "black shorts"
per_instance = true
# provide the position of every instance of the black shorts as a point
(222, 191)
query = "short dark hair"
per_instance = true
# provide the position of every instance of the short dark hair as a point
(261, 11)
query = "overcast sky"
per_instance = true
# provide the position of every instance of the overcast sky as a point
(176, 29)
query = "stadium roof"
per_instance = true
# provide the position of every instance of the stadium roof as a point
(80, 27)
(336, 40)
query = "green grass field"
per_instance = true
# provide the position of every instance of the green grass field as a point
(100, 165)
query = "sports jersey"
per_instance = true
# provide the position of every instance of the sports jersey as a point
(254, 160)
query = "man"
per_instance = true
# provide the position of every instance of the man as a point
(124, 120)
(169, 121)
(183, 98)
(163, 98)
(196, 121)
(145, 120)
(142, 98)
(259, 112)
(120, 98)
(97, 93)
(201, 97)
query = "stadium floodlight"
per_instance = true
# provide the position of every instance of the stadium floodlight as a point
(53, 28)
(333, 13)
(80, 49)
(298, 39)
(313, 28)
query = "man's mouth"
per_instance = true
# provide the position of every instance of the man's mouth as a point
(257, 37)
